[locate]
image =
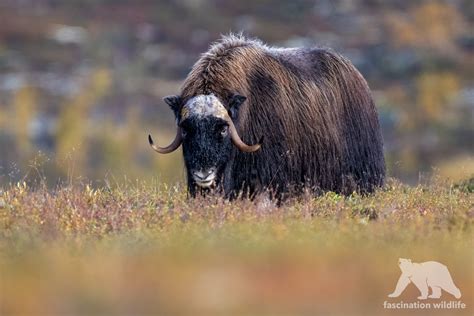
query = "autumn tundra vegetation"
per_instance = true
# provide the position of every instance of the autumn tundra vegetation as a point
(148, 249)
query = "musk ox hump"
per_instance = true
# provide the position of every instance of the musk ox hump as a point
(203, 105)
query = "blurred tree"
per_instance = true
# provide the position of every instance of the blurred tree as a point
(431, 25)
(435, 93)
(73, 123)
(24, 110)
(438, 25)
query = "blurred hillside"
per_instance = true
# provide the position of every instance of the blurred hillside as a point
(81, 82)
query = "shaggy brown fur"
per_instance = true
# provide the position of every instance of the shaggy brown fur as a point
(312, 106)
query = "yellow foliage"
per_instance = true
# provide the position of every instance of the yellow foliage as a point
(437, 23)
(24, 110)
(101, 81)
(430, 25)
(3, 116)
(403, 32)
(457, 168)
(168, 168)
(435, 93)
(73, 121)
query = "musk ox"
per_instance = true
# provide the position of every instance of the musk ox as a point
(252, 117)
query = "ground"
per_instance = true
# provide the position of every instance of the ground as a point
(146, 249)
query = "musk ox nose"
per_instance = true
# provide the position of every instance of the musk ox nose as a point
(203, 174)
(204, 177)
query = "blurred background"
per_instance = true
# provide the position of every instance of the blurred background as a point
(81, 81)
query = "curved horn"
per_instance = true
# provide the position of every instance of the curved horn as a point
(171, 147)
(238, 142)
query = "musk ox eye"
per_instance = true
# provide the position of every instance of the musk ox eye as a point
(224, 131)
(184, 133)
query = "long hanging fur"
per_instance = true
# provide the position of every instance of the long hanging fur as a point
(312, 106)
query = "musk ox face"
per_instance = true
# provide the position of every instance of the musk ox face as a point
(206, 148)
(206, 142)
(207, 132)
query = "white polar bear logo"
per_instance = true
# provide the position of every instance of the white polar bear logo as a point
(426, 274)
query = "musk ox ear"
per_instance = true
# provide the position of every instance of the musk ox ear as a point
(234, 104)
(174, 102)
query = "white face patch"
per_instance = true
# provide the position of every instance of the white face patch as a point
(203, 105)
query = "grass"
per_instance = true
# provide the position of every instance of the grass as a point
(148, 250)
